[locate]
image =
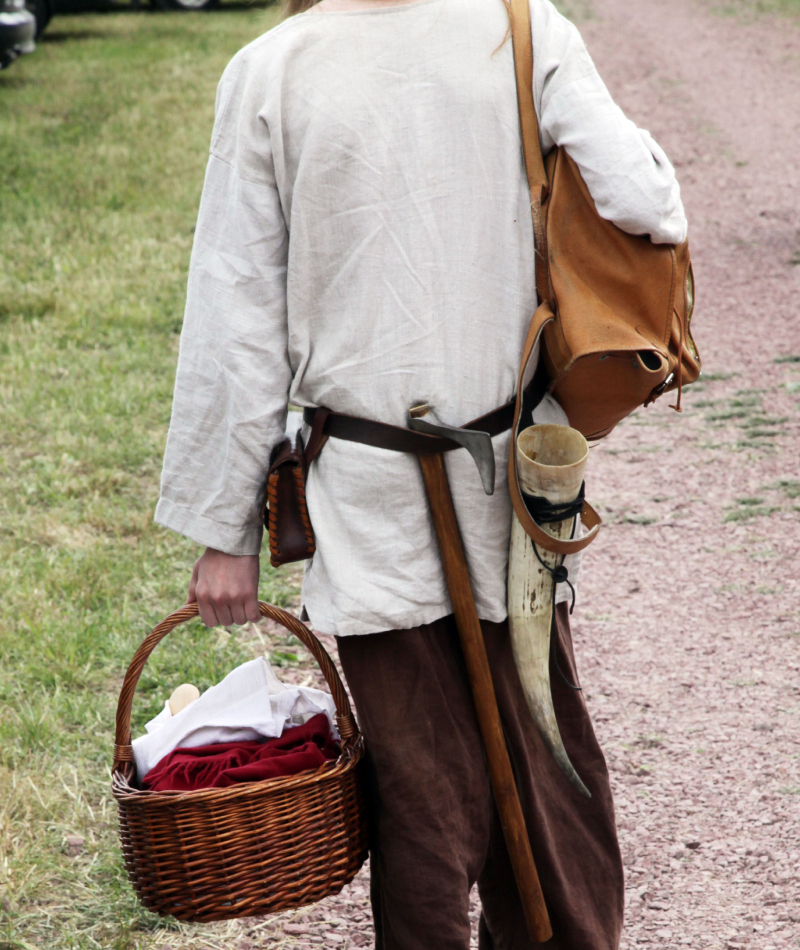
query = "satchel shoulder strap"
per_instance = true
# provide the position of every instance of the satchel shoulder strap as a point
(522, 41)
(520, 15)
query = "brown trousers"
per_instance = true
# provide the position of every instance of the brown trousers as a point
(434, 827)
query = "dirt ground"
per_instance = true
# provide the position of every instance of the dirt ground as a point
(688, 622)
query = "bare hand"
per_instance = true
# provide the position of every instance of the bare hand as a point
(225, 587)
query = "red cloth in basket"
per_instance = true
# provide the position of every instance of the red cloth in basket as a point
(228, 763)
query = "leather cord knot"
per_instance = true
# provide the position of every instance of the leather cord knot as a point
(560, 575)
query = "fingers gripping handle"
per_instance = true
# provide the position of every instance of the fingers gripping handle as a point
(123, 752)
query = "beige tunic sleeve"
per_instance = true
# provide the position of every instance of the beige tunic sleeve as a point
(233, 376)
(627, 173)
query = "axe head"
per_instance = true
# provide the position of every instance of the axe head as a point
(478, 444)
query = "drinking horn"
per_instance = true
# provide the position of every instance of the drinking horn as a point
(551, 460)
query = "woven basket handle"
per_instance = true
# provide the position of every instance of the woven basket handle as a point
(123, 752)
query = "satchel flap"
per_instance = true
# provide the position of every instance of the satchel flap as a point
(607, 283)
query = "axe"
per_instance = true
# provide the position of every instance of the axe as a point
(434, 474)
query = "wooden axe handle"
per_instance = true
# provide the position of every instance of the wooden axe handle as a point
(459, 587)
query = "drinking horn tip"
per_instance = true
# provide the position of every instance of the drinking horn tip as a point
(551, 461)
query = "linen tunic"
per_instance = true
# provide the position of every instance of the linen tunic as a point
(364, 242)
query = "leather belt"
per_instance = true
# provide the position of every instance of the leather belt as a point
(382, 435)
(326, 424)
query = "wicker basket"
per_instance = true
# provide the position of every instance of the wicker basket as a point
(250, 849)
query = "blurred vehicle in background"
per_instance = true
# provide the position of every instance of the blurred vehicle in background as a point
(74, 6)
(184, 4)
(17, 31)
(23, 21)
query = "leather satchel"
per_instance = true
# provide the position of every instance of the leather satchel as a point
(615, 309)
(291, 537)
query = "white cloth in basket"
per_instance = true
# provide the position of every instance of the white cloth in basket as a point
(250, 703)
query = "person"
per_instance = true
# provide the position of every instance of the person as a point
(364, 243)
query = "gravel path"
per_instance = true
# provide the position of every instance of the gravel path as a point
(689, 627)
(688, 623)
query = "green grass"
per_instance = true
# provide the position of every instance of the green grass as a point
(789, 486)
(744, 509)
(744, 409)
(755, 7)
(576, 10)
(103, 141)
(750, 508)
